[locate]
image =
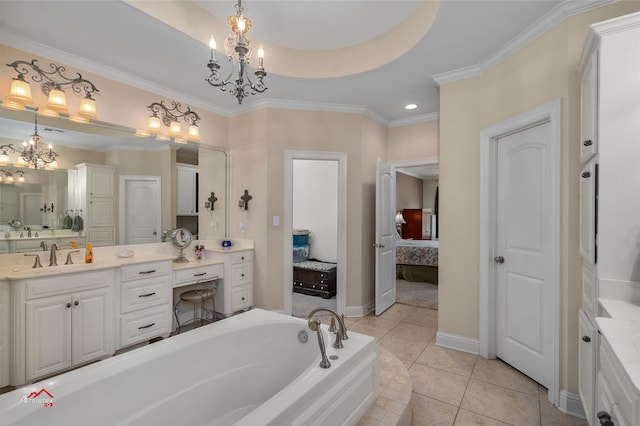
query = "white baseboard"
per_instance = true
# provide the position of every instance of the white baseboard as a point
(570, 403)
(461, 343)
(359, 311)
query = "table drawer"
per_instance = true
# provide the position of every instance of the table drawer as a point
(144, 270)
(188, 276)
(60, 284)
(144, 325)
(144, 293)
(241, 274)
(242, 298)
(241, 257)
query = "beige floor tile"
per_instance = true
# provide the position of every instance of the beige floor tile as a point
(403, 347)
(424, 317)
(448, 360)
(431, 412)
(407, 363)
(499, 373)
(502, 404)
(379, 323)
(467, 418)
(414, 331)
(398, 311)
(438, 384)
(551, 416)
(369, 331)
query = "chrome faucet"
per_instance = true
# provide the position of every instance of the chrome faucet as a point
(28, 228)
(43, 245)
(53, 260)
(341, 333)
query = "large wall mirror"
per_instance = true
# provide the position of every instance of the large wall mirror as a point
(44, 200)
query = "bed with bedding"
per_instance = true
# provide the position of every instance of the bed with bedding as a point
(417, 260)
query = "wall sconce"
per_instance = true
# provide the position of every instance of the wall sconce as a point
(51, 84)
(209, 204)
(47, 209)
(399, 222)
(170, 117)
(244, 200)
(12, 176)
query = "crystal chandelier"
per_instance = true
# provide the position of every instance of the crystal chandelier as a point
(34, 153)
(237, 42)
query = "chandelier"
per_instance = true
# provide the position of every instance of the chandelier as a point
(52, 84)
(237, 42)
(34, 153)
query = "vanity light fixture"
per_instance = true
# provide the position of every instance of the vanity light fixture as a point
(171, 117)
(52, 84)
(12, 175)
(239, 44)
(34, 153)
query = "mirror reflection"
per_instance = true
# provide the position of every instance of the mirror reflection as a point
(109, 187)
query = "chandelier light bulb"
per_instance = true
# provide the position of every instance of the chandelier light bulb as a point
(260, 57)
(212, 43)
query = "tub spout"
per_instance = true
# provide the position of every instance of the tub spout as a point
(314, 325)
(341, 333)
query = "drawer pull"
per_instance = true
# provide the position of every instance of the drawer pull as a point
(146, 272)
(147, 326)
(242, 275)
(586, 174)
(200, 274)
(605, 418)
(243, 299)
(68, 304)
(242, 257)
(76, 303)
(586, 339)
(588, 142)
(147, 295)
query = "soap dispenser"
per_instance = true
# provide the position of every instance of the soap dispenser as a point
(88, 254)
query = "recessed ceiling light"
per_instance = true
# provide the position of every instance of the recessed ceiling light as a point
(411, 106)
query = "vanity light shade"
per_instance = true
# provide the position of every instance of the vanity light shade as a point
(20, 178)
(20, 92)
(154, 125)
(57, 100)
(46, 112)
(4, 159)
(175, 130)
(79, 118)
(88, 108)
(16, 106)
(194, 133)
(53, 164)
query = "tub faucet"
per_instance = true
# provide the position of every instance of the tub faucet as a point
(314, 325)
(341, 333)
(43, 245)
(53, 260)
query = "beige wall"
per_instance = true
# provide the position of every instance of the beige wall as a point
(414, 141)
(408, 192)
(429, 187)
(543, 70)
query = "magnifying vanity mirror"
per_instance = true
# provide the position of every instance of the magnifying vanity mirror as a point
(46, 202)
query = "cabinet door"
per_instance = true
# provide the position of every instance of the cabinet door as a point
(101, 182)
(186, 183)
(589, 110)
(587, 351)
(588, 206)
(48, 343)
(91, 331)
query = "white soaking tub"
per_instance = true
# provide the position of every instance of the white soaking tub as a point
(250, 369)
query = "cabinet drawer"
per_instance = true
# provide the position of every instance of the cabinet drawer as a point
(144, 270)
(617, 385)
(187, 276)
(51, 286)
(144, 325)
(144, 293)
(241, 257)
(242, 298)
(241, 274)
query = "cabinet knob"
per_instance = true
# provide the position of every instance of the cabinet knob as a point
(76, 303)
(588, 142)
(243, 299)
(605, 418)
(68, 304)
(242, 257)
(586, 174)
(586, 339)
(243, 275)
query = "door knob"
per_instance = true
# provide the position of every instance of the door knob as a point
(499, 259)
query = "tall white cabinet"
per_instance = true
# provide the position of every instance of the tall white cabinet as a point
(609, 188)
(96, 195)
(187, 184)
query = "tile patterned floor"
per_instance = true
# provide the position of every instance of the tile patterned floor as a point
(452, 387)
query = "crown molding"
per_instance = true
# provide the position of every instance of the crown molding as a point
(548, 21)
(423, 118)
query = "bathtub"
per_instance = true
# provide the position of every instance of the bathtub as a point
(250, 369)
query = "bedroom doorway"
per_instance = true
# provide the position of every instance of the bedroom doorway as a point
(315, 229)
(417, 196)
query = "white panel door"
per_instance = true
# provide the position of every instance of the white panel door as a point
(385, 244)
(524, 262)
(140, 217)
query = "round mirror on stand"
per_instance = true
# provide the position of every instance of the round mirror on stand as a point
(181, 238)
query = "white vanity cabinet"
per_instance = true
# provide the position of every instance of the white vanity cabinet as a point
(145, 302)
(96, 195)
(187, 185)
(236, 293)
(609, 201)
(60, 322)
(5, 321)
